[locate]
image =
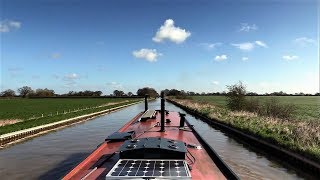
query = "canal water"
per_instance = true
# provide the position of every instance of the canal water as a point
(54, 154)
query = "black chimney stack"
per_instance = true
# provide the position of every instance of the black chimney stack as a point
(145, 102)
(162, 112)
(182, 120)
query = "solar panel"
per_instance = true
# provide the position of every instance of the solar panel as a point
(149, 168)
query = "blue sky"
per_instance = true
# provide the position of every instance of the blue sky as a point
(199, 46)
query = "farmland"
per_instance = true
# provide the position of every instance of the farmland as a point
(23, 109)
(34, 112)
(300, 133)
(307, 107)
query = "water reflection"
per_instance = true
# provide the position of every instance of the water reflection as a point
(245, 162)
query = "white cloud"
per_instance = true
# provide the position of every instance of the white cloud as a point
(15, 24)
(215, 82)
(245, 58)
(289, 57)
(262, 44)
(15, 71)
(115, 85)
(70, 79)
(304, 41)
(221, 58)
(265, 86)
(249, 46)
(170, 32)
(150, 55)
(307, 82)
(69, 84)
(210, 46)
(311, 82)
(9, 25)
(247, 27)
(72, 76)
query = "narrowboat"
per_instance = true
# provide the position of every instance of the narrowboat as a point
(156, 144)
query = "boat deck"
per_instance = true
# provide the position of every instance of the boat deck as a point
(202, 168)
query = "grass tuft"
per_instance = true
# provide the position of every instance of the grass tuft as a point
(276, 127)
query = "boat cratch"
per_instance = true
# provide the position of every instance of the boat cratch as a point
(156, 144)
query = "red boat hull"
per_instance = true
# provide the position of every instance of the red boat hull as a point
(203, 168)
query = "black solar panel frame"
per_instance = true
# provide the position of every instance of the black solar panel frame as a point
(125, 169)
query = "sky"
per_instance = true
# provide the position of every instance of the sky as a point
(199, 46)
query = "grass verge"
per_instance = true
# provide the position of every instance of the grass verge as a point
(302, 137)
(46, 120)
(307, 107)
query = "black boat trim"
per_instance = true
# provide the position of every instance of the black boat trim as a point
(224, 168)
(286, 157)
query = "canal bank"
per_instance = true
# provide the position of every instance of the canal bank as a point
(17, 136)
(285, 156)
(52, 155)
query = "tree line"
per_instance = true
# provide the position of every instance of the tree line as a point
(27, 91)
(175, 92)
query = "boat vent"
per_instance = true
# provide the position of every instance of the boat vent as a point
(120, 136)
(153, 148)
(149, 169)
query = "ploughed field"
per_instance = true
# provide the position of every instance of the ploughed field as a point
(306, 107)
(22, 113)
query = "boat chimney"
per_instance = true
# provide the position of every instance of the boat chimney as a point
(145, 102)
(162, 112)
(182, 120)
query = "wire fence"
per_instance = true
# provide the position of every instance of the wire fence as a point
(57, 113)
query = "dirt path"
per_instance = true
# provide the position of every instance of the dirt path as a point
(8, 121)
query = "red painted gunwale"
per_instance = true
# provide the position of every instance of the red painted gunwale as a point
(203, 168)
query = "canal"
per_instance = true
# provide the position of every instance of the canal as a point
(52, 155)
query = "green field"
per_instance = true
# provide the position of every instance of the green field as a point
(299, 133)
(29, 111)
(23, 109)
(307, 107)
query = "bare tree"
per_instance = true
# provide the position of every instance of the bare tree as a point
(97, 93)
(118, 93)
(146, 90)
(8, 93)
(25, 91)
(44, 92)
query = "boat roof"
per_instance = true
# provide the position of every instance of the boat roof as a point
(98, 164)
